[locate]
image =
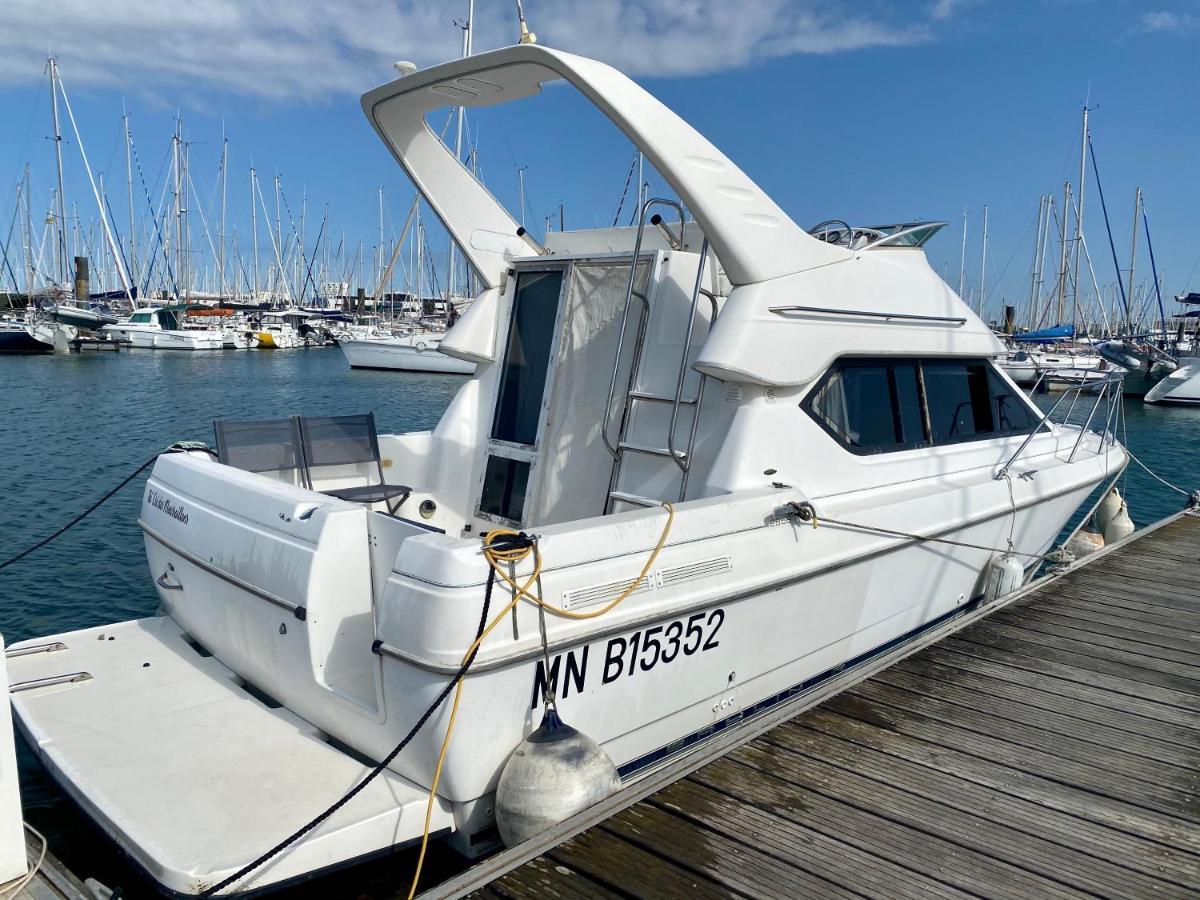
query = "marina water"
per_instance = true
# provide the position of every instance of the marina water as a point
(74, 426)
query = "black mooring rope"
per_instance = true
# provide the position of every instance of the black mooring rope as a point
(177, 447)
(83, 515)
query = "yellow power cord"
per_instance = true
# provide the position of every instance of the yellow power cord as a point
(495, 557)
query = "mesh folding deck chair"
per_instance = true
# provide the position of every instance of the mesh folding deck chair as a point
(266, 445)
(345, 440)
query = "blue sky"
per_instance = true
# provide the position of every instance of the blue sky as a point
(887, 112)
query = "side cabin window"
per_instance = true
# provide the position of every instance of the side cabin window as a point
(884, 405)
(141, 317)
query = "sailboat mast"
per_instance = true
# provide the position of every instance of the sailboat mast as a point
(30, 269)
(466, 51)
(221, 229)
(254, 233)
(62, 206)
(962, 260)
(1062, 262)
(178, 212)
(133, 236)
(278, 242)
(184, 180)
(1137, 212)
(1079, 211)
(1037, 252)
(983, 266)
(379, 255)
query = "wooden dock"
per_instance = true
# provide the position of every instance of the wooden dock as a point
(50, 880)
(1047, 746)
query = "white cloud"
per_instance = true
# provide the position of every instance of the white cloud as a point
(304, 49)
(944, 9)
(1166, 21)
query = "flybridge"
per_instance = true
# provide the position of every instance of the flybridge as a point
(754, 239)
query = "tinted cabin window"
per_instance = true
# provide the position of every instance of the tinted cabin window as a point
(957, 397)
(879, 406)
(527, 357)
(871, 407)
(1012, 413)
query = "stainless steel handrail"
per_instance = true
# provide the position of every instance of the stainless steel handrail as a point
(683, 462)
(867, 314)
(1095, 406)
(1108, 382)
(629, 294)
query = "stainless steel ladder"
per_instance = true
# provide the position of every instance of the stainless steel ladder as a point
(681, 457)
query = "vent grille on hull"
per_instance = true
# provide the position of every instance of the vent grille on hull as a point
(692, 571)
(601, 593)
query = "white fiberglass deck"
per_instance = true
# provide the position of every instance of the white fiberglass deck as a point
(190, 773)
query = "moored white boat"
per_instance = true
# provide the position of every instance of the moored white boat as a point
(275, 332)
(159, 328)
(24, 337)
(670, 413)
(1181, 387)
(416, 352)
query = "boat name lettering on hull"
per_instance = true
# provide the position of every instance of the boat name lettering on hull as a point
(629, 654)
(159, 502)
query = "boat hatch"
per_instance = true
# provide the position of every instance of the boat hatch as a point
(189, 772)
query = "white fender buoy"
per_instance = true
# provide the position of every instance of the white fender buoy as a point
(1085, 542)
(553, 774)
(1004, 575)
(1119, 526)
(1106, 510)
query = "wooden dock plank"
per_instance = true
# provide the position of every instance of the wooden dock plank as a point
(1075, 607)
(1067, 866)
(729, 864)
(1083, 656)
(1051, 749)
(829, 858)
(956, 789)
(1138, 635)
(1045, 762)
(1065, 698)
(763, 774)
(979, 701)
(1128, 644)
(619, 866)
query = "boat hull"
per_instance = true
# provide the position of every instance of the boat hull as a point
(17, 340)
(403, 355)
(1181, 387)
(159, 339)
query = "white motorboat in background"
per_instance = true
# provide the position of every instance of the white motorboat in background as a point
(1020, 366)
(417, 352)
(275, 332)
(666, 413)
(1181, 387)
(85, 317)
(159, 328)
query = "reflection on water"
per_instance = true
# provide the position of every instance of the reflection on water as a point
(74, 426)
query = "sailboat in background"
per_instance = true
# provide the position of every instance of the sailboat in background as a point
(77, 312)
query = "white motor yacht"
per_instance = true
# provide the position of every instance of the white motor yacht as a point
(733, 448)
(159, 328)
(1181, 387)
(416, 352)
